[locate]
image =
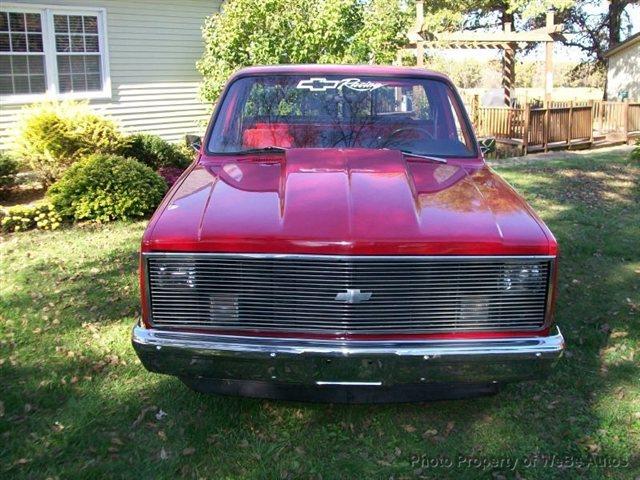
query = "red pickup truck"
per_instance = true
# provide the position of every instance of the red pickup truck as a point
(340, 238)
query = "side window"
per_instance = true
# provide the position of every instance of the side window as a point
(421, 105)
(460, 132)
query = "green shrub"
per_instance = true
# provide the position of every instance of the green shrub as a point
(107, 187)
(52, 136)
(8, 171)
(155, 151)
(635, 154)
(186, 151)
(25, 217)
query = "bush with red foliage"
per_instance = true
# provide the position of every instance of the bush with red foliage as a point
(170, 174)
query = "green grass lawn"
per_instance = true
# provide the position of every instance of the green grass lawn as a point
(76, 403)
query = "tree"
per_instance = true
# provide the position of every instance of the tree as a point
(487, 14)
(594, 30)
(263, 32)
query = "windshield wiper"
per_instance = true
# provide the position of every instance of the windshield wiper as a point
(267, 149)
(409, 153)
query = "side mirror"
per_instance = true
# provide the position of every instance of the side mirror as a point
(487, 145)
(194, 141)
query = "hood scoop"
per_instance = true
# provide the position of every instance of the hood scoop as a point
(351, 201)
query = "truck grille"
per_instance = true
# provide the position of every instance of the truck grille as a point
(334, 294)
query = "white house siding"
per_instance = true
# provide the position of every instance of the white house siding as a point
(153, 46)
(623, 72)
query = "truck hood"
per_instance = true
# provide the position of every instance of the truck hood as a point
(352, 201)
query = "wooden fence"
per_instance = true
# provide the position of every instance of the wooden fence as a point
(559, 124)
(616, 117)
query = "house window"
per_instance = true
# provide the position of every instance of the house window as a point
(77, 53)
(22, 59)
(56, 52)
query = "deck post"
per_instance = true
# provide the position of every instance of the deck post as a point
(547, 124)
(525, 130)
(570, 125)
(592, 121)
(625, 120)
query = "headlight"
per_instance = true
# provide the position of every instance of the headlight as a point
(176, 276)
(523, 277)
(217, 307)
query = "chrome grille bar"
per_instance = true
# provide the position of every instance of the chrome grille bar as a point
(299, 292)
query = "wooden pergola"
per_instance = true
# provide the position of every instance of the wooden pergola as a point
(507, 40)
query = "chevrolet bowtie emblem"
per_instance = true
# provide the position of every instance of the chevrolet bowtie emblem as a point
(353, 296)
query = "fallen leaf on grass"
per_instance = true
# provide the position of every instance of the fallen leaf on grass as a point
(594, 448)
(1, 409)
(188, 451)
(409, 428)
(163, 454)
(448, 428)
(141, 416)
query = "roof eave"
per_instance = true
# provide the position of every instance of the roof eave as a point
(632, 40)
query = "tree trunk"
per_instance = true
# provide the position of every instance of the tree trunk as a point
(616, 7)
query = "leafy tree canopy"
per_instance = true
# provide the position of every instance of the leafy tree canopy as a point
(594, 28)
(263, 32)
(475, 14)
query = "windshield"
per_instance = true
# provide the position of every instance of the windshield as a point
(296, 111)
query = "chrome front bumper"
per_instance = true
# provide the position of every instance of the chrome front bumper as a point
(346, 363)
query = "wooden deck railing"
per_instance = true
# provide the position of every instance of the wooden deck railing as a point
(558, 124)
